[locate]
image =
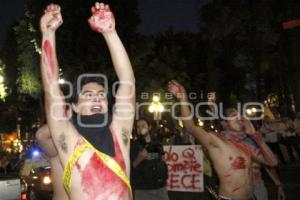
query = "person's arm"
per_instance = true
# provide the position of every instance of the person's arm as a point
(142, 155)
(54, 100)
(179, 92)
(103, 21)
(275, 178)
(211, 100)
(263, 154)
(44, 139)
(137, 154)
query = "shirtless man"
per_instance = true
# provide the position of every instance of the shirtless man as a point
(259, 189)
(95, 159)
(231, 160)
(43, 138)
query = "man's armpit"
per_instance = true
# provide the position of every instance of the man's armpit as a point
(125, 135)
(62, 143)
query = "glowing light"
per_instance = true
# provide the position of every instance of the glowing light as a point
(249, 111)
(35, 153)
(254, 110)
(151, 108)
(180, 123)
(160, 108)
(46, 180)
(61, 81)
(1, 79)
(200, 123)
(156, 98)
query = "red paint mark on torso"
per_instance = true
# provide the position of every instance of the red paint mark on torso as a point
(238, 163)
(48, 59)
(243, 148)
(236, 189)
(99, 181)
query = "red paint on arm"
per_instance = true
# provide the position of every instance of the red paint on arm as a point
(49, 60)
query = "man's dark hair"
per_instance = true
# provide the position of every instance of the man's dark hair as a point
(85, 80)
(148, 121)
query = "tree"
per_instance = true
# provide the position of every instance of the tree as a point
(242, 43)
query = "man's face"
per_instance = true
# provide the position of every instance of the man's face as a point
(92, 99)
(235, 122)
(141, 126)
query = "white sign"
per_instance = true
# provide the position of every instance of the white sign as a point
(185, 168)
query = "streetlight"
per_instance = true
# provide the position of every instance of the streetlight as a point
(200, 123)
(251, 111)
(3, 93)
(157, 108)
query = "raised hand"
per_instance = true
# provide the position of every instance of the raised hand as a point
(211, 97)
(102, 19)
(177, 90)
(248, 127)
(51, 19)
(280, 193)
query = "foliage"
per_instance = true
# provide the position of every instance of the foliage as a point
(3, 88)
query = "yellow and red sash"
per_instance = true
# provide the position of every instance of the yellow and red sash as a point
(107, 160)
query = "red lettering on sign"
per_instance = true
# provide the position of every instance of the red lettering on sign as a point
(189, 181)
(189, 153)
(174, 181)
(171, 156)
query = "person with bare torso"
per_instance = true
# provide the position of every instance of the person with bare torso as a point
(93, 148)
(231, 159)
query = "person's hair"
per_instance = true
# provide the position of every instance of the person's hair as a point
(84, 81)
(149, 122)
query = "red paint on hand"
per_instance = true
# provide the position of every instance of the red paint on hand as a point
(48, 59)
(238, 163)
(102, 20)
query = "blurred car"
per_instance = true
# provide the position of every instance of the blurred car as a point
(36, 174)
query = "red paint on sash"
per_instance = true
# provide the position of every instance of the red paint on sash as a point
(100, 181)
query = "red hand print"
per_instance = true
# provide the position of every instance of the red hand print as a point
(238, 163)
(102, 19)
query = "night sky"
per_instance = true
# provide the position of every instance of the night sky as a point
(156, 15)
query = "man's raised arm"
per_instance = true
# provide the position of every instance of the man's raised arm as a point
(179, 92)
(49, 23)
(103, 21)
(263, 154)
(54, 101)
